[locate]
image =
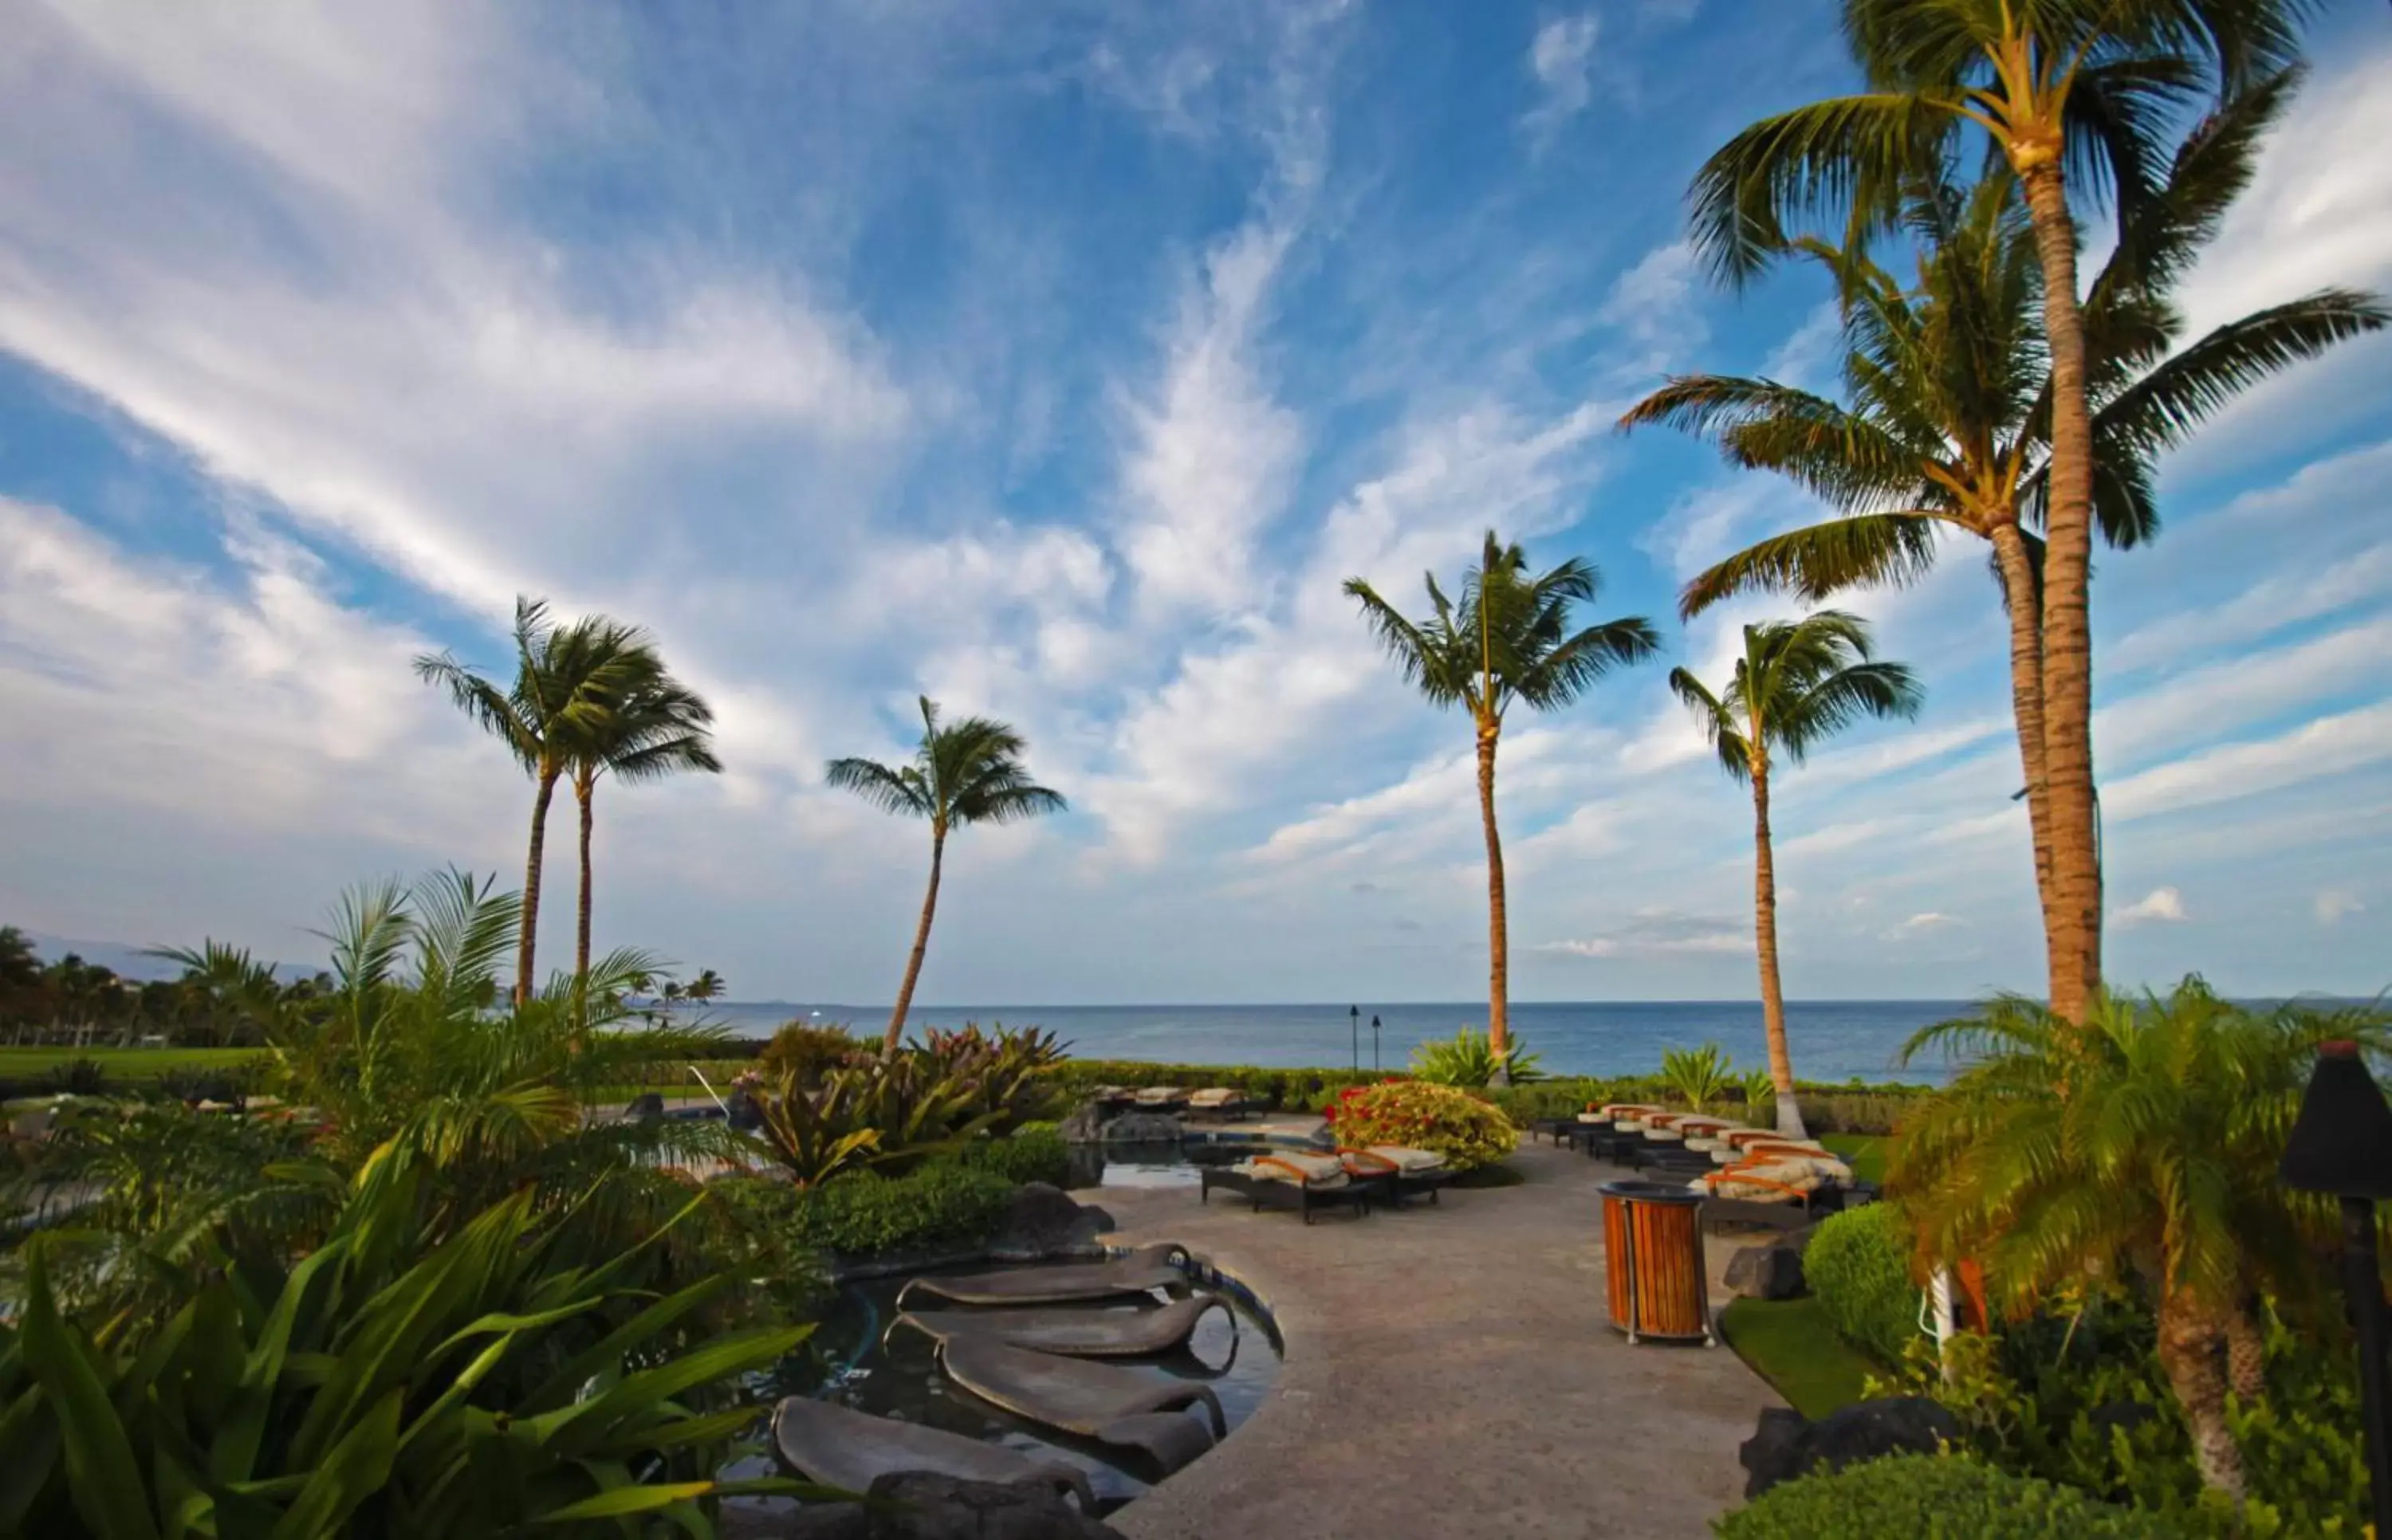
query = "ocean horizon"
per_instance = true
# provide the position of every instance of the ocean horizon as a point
(1830, 1040)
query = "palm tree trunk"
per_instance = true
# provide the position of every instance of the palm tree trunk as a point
(2026, 708)
(584, 789)
(1498, 951)
(921, 945)
(525, 943)
(1773, 994)
(2074, 927)
(2189, 1353)
(2246, 1355)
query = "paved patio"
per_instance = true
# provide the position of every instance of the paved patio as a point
(1449, 1374)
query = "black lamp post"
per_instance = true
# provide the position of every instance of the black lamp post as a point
(1354, 1020)
(2341, 1145)
(1374, 1043)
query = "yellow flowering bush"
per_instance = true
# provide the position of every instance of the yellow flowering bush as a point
(1467, 1130)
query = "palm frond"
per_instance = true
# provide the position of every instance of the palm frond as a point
(1842, 159)
(2158, 411)
(1864, 550)
(1427, 657)
(890, 790)
(1719, 725)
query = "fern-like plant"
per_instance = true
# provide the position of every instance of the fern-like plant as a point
(1468, 1059)
(1698, 1077)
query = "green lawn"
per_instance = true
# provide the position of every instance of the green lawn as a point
(1789, 1344)
(122, 1064)
(1865, 1153)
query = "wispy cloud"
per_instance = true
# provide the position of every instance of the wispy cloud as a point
(1660, 932)
(2161, 905)
(1561, 60)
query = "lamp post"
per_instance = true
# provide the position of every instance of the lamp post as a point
(1354, 1020)
(2341, 1145)
(1374, 1043)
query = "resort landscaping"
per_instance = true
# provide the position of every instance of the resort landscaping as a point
(431, 1243)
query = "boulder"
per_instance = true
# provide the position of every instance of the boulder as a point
(918, 1506)
(812, 1522)
(1084, 1126)
(1771, 1272)
(747, 1112)
(1045, 1220)
(645, 1105)
(1787, 1445)
(1143, 1128)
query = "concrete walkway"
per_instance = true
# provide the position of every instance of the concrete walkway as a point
(1449, 1374)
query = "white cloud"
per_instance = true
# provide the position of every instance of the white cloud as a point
(2336, 905)
(1561, 58)
(2327, 745)
(2160, 905)
(1662, 932)
(1924, 923)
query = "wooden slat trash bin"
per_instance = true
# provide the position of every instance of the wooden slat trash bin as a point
(1653, 1259)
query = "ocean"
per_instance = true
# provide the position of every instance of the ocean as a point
(1831, 1039)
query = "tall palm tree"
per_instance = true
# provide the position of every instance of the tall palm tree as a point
(2142, 1145)
(706, 986)
(1951, 383)
(657, 728)
(966, 773)
(1799, 683)
(568, 680)
(2071, 95)
(1508, 639)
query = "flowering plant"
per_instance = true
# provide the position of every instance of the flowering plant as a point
(1466, 1130)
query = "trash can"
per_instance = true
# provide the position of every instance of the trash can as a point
(1652, 1261)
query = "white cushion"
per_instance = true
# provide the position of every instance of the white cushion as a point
(1411, 1163)
(1768, 1184)
(1311, 1171)
(1212, 1096)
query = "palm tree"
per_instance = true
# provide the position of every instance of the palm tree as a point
(1508, 639)
(656, 728)
(568, 680)
(1951, 384)
(966, 772)
(2059, 89)
(706, 986)
(2141, 1144)
(1798, 684)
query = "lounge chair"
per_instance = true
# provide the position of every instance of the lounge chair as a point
(1226, 1103)
(1304, 1181)
(1399, 1171)
(1773, 1190)
(1161, 1098)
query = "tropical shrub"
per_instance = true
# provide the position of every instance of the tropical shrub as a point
(808, 1051)
(940, 1207)
(1027, 1155)
(1468, 1131)
(1697, 1078)
(1467, 1060)
(392, 1382)
(1858, 1265)
(2140, 1145)
(1933, 1497)
(2077, 1396)
(1006, 1068)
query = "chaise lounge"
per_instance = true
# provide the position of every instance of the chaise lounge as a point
(1777, 1189)
(1288, 1180)
(1225, 1102)
(1399, 1171)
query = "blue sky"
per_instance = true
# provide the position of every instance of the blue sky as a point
(1060, 361)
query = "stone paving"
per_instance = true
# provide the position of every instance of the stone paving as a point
(1451, 1374)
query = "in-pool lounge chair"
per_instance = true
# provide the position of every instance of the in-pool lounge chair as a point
(1288, 1179)
(1774, 1189)
(1226, 1103)
(1399, 1171)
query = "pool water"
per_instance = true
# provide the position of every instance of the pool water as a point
(854, 1358)
(1101, 1166)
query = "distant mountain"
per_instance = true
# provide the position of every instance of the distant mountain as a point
(131, 962)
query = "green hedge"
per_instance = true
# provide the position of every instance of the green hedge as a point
(1036, 1154)
(940, 1207)
(1858, 1266)
(1288, 1090)
(1825, 1109)
(1933, 1497)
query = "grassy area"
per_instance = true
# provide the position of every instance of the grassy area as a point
(123, 1063)
(1789, 1344)
(1865, 1153)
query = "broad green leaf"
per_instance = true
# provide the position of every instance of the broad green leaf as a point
(358, 1466)
(625, 1501)
(609, 1351)
(109, 1491)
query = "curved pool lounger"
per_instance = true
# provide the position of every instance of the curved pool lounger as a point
(1142, 1272)
(842, 1447)
(1078, 1333)
(1099, 1401)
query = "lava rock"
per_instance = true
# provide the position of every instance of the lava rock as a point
(812, 1522)
(1084, 1126)
(648, 1105)
(747, 1112)
(1143, 1128)
(1772, 1271)
(1045, 1220)
(915, 1505)
(1787, 1445)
